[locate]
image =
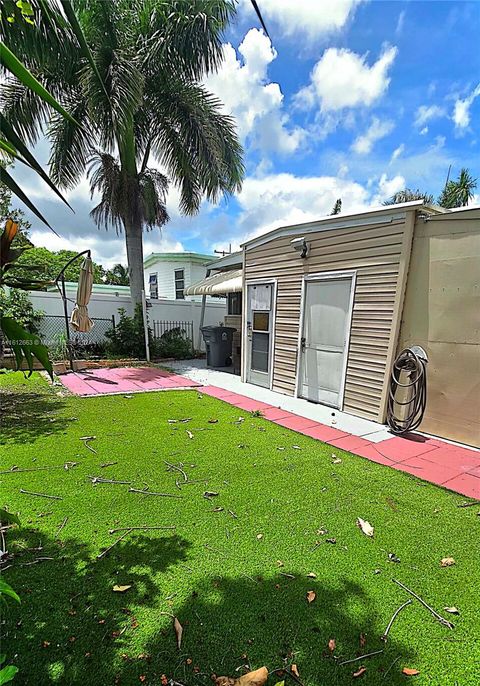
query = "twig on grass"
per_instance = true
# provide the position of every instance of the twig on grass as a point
(361, 657)
(61, 526)
(15, 470)
(438, 617)
(85, 440)
(41, 495)
(394, 616)
(108, 464)
(101, 480)
(39, 559)
(145, 491)
(100, 555)
(393, 663)
(138, 528)
(177, 469)
(469, 503)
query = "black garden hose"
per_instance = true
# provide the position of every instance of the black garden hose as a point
(412, 362)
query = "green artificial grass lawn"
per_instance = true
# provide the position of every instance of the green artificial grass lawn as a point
(218, 573)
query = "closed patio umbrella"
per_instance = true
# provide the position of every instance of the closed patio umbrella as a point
(80, 319)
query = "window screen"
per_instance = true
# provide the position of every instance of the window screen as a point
(152, 279)
(179, 284)
(234, 303)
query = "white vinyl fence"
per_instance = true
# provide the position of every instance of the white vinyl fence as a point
(102, 307)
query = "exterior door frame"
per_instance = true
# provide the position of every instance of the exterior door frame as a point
(245, 343)
(326, 276)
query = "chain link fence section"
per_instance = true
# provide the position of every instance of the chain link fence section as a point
(184, 329)
(52, 330)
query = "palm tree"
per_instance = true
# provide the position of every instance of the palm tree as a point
(117, 275)
(337, 208)
(144, 100)
(407, 195)
(458, 193)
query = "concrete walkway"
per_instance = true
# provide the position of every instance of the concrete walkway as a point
(450, 465)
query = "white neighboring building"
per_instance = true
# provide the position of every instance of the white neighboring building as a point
(168, 274)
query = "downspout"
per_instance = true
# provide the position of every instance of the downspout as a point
(202, 312)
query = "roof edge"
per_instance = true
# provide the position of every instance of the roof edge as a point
(343, 221)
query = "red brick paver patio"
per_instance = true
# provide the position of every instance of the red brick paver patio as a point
(431, 459)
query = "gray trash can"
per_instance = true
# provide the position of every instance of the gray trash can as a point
(218, 342)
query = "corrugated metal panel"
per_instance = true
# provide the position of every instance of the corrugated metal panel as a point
(375, 253)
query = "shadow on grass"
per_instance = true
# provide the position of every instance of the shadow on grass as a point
(73, 629)
(25, 416)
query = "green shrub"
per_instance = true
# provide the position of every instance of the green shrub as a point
(128, 337)
(172, 343)
(16, 304)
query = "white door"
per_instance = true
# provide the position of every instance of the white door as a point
(324, 342)
(259, 333)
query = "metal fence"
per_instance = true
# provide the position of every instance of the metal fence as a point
(184, 329)
(52, 330)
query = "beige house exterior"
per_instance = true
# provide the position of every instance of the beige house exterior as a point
(402, 275)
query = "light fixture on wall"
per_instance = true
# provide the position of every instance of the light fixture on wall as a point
(301, 246)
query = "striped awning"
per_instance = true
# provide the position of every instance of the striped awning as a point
(218, 284)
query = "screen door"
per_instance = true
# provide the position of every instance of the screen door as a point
(326, 328)
(259, 333)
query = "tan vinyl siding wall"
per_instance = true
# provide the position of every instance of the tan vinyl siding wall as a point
(442, 314)
(375, 253)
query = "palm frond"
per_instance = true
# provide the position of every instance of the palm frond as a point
(186, 34)
(195, 141)
(124, 199)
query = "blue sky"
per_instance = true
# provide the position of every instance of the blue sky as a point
(355, 99)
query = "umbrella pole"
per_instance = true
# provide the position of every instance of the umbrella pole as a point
(63, 293)
(67, 326)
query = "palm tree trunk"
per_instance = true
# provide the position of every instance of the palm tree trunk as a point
(134, 244)
(132, 223)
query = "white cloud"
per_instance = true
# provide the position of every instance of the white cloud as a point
(397, 152)
(257, 104)
(400, 23)
(342, 78)
(281, 199)
(308, 18)
(378, 129)
(107, 248)
(387, 187)
(424, 131)
(461, 111)
(426, 113)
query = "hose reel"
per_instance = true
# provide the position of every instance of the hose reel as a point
(407, 394)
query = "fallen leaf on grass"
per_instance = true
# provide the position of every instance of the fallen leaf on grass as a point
(452, 610)
(365, 526)
(217, 509)
(296, 447)
(362, 640)
(178, 632)
(280, 563)
(331, 540)
(189, 434)
(213, 421)
(410, 672)
(294, 670)
(311, 575)
(259, 537)
(256, 678)
(332, 644)
(164, 680)
(393, 558)
(142, 678)
(121, 589)
(447, 562)
(311, 595)
(359, 672)
(210, 494)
